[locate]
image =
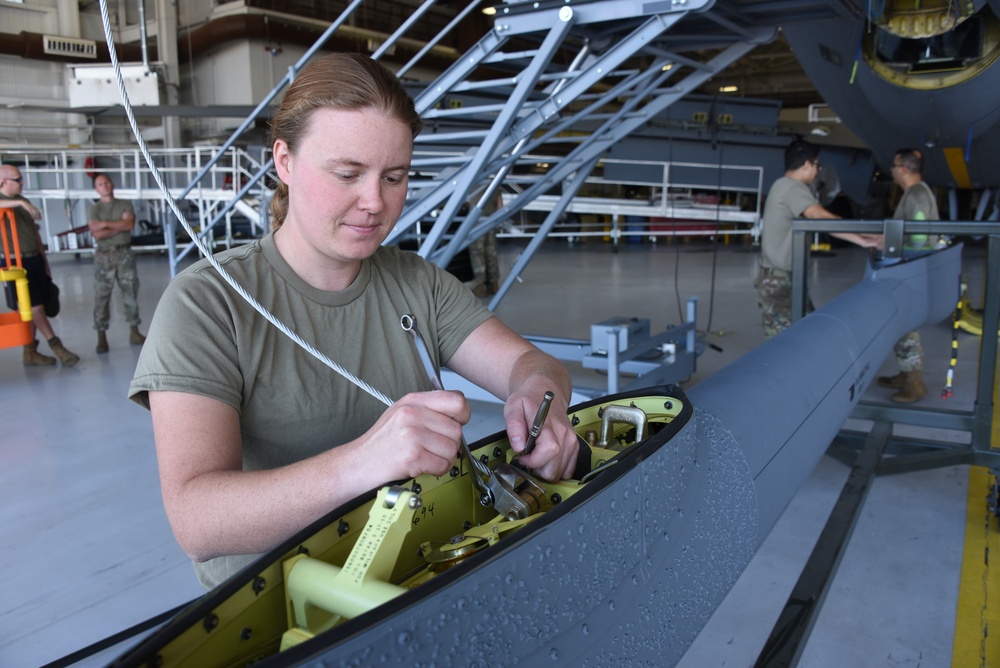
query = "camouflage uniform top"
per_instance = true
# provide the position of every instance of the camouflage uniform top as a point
(787, 199)
(27, 232)
(112, 210)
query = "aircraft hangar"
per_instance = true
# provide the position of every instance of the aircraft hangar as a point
(620, 153)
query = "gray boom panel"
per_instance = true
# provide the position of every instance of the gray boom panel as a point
(631, 577)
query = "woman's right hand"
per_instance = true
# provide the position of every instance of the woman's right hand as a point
(418, 434)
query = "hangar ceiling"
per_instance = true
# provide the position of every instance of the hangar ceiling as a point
(770, 71)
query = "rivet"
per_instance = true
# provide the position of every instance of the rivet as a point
(211, 622)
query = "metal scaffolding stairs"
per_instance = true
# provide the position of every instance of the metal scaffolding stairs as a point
(560, 79)
(597, 100)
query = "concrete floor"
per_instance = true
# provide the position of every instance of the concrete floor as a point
(89, 552)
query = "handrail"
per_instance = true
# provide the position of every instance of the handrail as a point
(61, 185)
(57, 177)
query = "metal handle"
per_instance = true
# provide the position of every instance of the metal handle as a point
(536, 426)
(482, 471)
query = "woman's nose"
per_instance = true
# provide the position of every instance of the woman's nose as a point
(370, 197)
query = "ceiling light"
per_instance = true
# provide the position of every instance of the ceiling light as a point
(728, 89)
(820, 131)
(489, 11)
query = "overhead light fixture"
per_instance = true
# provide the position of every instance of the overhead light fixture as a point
(728, 89)
(489, 11)
(820, 131)
(667, 67)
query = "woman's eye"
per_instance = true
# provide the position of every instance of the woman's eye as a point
(394, 179)
(345, 176)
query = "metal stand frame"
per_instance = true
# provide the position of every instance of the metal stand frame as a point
(914, 455)
(661, 359)
(789, 635)
(787, 640)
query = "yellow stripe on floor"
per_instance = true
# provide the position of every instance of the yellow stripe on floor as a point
(974, 645)
(995, 442)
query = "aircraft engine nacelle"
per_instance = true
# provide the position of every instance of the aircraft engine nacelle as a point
(921, 77)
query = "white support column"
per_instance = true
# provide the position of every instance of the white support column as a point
(166, 20)
(69, 18)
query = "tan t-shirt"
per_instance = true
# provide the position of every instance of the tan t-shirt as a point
(27, 231)
(787, 199)
(918, 203)
(205, 339)
(112, 210)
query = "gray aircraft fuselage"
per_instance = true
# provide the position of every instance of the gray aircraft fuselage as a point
(937, 93)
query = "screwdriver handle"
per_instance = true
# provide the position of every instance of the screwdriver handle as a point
(536, 426)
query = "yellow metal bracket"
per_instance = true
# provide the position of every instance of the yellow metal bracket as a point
(319, 594)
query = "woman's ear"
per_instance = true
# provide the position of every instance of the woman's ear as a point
(282, 159)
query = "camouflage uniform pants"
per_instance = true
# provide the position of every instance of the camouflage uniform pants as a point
(909, 353)
(483, 256)
(774, 296)
(115, 265)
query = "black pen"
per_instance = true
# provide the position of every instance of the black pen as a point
(536, 426)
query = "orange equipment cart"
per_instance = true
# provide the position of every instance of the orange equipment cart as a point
(15, 328)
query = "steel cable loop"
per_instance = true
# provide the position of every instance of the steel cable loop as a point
(270, 317)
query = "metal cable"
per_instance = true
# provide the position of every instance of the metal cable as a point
(126, 103)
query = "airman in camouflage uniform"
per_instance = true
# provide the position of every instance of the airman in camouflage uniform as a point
(111, 221)
(790, 198)
(917, 203)
(35, 264)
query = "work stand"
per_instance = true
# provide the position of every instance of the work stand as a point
(879, 452)
(622, 349)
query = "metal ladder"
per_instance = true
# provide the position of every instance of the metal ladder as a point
(510, 97)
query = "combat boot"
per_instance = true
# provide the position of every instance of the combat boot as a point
(65, 356)
(102, 342)
(893, 382)
(34, 358)
(135, 337)
(913, 388)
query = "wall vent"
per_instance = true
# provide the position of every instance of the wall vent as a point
(68, 46)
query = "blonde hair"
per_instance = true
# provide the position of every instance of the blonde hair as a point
(339, 81)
